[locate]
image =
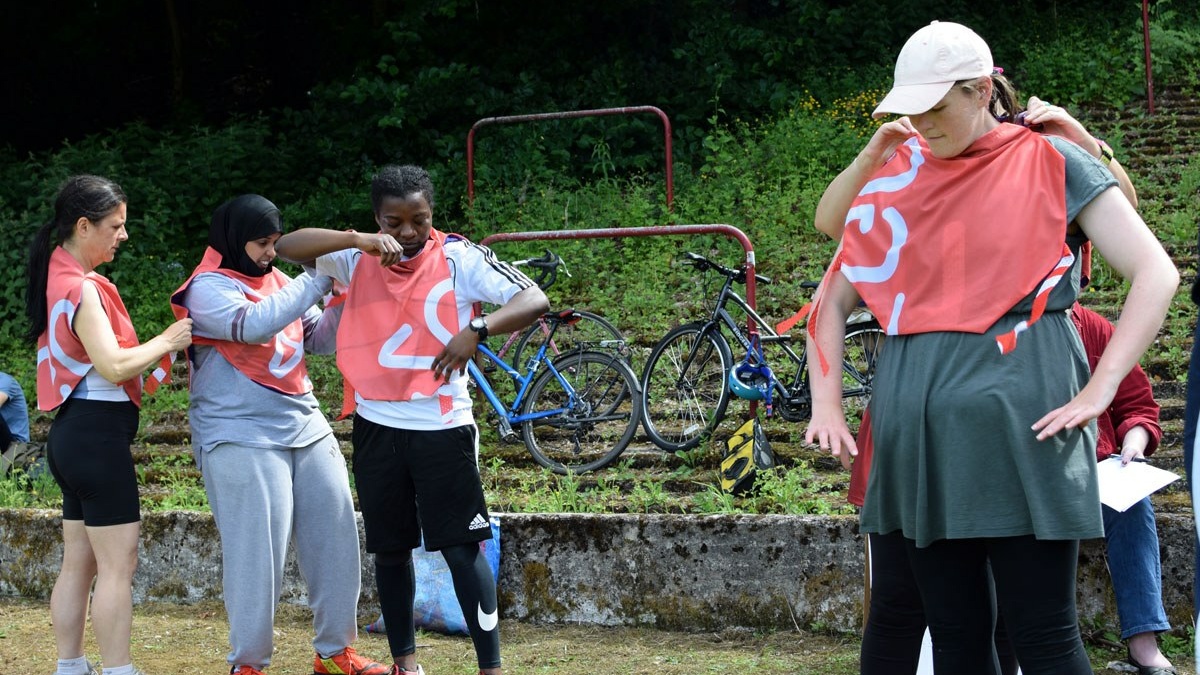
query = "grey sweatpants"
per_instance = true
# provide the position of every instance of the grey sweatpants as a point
(260, 498)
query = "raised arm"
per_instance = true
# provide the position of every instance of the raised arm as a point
(115, 363)
(306, 245)
(221, 310)
(830, 216)
(1057, 121)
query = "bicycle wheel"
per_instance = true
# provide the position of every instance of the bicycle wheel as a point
(592, 331)
(862, 347)
(597, 426)
(684, 392)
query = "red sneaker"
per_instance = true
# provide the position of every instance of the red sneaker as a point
(348, 663)
(245, 670)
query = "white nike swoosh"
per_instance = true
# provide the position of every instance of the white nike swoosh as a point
(488, 622)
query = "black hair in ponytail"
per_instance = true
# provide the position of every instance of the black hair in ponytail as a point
(91, 197)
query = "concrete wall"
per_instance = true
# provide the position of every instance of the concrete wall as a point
(680, 572)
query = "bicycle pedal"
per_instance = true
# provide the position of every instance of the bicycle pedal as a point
(507, 434)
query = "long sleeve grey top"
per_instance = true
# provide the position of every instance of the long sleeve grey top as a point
(227, 406)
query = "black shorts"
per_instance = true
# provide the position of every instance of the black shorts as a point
(413, 482)
(88, 454)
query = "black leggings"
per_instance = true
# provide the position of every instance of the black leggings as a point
(1035, 588)
(473, 585)
(896, 622)
(88, 453)
(6, 437)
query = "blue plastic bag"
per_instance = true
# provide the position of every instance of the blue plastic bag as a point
(435, 607)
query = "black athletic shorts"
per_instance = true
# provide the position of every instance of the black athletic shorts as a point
(413, 482)
(89, 457)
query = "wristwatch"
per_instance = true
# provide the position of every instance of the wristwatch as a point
(479, 325)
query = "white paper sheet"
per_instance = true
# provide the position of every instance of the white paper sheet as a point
(1124, 486)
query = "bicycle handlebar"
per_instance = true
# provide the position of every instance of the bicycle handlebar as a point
(547, 268)
(739, 275)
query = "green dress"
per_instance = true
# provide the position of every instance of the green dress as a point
(954, 453)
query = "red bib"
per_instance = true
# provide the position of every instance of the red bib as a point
(62, 360)
(954, 244)
(277, 364)
(396, 321)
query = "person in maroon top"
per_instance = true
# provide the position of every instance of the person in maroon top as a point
(1128, 429)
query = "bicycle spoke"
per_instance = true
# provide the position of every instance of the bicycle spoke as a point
(684, 393)
(601, 416)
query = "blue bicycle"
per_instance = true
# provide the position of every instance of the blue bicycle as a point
(577, 412)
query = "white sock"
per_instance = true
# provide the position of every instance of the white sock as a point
(75, 666)
(126, 669)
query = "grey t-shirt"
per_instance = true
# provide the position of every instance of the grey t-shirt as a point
(227, 406)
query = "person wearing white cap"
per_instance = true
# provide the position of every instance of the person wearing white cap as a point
(962, 234)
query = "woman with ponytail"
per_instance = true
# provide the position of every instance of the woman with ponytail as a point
(89, 371)
(963, 234)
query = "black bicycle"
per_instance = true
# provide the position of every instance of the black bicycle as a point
(685, 384)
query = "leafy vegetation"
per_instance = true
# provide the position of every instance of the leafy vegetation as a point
(769, 100)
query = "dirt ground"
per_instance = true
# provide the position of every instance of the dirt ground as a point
(191, 639)
(185, 640)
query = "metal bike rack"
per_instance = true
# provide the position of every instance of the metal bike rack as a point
(571, 114)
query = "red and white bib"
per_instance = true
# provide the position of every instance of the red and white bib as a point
(276, 364)
(925, 250)
(396, 320)
(62, 360)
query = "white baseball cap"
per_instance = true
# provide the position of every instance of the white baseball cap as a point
(932, 60)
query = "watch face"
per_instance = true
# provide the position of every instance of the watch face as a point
(477, 324)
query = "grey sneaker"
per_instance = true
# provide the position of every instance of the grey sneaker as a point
(92, 669)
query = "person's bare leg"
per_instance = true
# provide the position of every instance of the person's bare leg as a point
(115, 547)
(69, 599)
(1143, 647)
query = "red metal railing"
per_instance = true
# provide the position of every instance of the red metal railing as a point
(571, 114)
(1146, 42)
(649, 231)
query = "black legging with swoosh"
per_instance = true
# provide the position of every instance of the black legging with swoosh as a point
(473, 584)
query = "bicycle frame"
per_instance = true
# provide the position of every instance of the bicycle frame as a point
(767, 335)
(511, 340)
(511, 417)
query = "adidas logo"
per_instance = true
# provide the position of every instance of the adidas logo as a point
(478, 523)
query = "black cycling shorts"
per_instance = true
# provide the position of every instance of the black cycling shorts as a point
(413, 482)
(88, 454)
